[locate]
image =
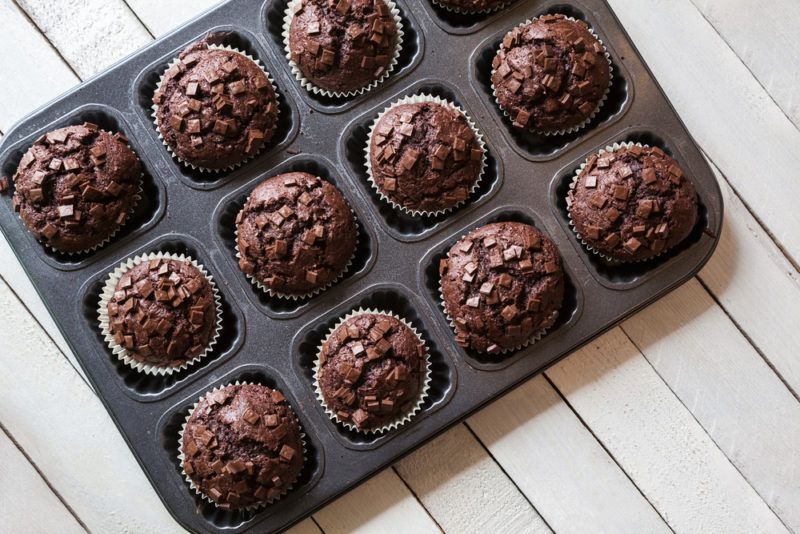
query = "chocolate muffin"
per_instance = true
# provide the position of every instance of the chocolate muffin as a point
(424, 156)
(633, 203)
(502, 285)
(215, 108)
(242, 446)
(295, 234)
(371, 371)
(550, 74)
(76, 186)
(473, 6)
(162, 312)
(342, 46)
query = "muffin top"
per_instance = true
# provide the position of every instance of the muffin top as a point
(216, 107)
(163, 312)
(502, 284)
(550, 74)
(424, 156)
(295, 234)
(76, 185)
(473, 6)
(372, 369)
(342, 45)
(633, 203)
(242, 446)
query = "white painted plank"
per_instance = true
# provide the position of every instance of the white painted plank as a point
(307, 526)
(558, 464)
(735, 121)
(730, 390)
(27, 502)
(40, 75)
(464, 489)
(765, 37)
(382, 504)
(160, 16)
(66, 431)
(657, 441)
(90, 34)
(758, 287)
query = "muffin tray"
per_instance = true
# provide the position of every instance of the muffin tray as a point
(274, 341)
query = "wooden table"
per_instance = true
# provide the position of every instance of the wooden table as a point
(684, 418)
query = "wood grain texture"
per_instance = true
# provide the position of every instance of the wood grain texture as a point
(573, 483)
(161, 16)
(765, 38)
(464, 489)
(657, 442)
(382, 504)
(730, 390)
(25, 498)
(90, 34)
(727, 111)
(66, 431)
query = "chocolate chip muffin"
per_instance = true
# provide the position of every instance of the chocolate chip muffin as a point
(550, 74)
(424, 156)
(295, 234)
(473, 6)
(215, 107)
(76, 186)
(632, 203)
(242, 446)
(372, 370)
(342, 46)
(162, 313)
(502, 285)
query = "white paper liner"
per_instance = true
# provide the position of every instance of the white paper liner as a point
(535, 337)
(182, 457)
(456, 9)
(571, 129)
(247, 158)
(288, 296)
(122, 353)
(402, 418)
(310, 86)
(418, 99)
(611, 148)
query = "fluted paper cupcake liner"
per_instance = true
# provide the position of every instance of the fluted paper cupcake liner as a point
(402, 418)
(289, 296)
(582, 125)
(308, 85)
(611, 148)
(182, 457)
(247, 158)
(455, 9)
(535, 337)
(418, 99)
(122, 353)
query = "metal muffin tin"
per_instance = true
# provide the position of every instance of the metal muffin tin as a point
(274, 341)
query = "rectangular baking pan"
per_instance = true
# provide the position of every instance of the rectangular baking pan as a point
(274, 342)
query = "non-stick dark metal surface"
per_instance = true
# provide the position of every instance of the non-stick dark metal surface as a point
(274, 341)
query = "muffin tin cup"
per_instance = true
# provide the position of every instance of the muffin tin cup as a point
(574, 183)
(454, 9)
(154, 113)
(534, 338)
(289, 296)
(122, 353)
(193, 487)
(401, 419)
(308, 85)
(418, 99)
(582, 125)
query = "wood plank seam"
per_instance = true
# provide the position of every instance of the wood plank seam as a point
(703, 428)
(35, 467)
(138, 18)
(505, 473)
(414, 494)
(46, 38)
